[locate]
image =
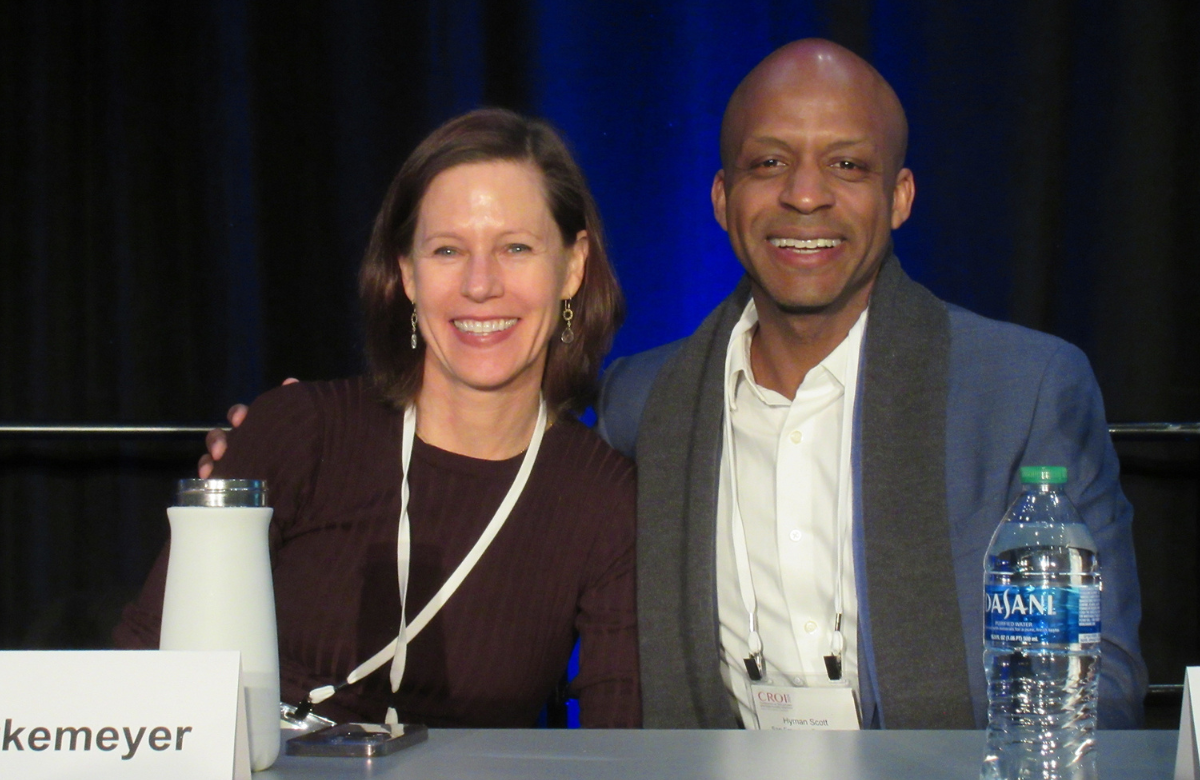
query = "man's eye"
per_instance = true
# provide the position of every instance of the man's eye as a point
(770, 162)
(851, 170)
(518, 249)
(853, 167)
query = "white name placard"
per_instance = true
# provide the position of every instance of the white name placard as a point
(782, 708)
(123, 714)
(1187, 761)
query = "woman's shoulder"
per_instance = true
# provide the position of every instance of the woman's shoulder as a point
(350, 407)
(351, 397)
(312, 439)
(580, 455)
(596, 487)
(304, 420)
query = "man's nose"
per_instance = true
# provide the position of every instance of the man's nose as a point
(482, 277)
(806, 189)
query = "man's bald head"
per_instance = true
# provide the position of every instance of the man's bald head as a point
(812, 182)
(815, 65)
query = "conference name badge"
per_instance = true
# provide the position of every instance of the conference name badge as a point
(780, 708)
(139, 714)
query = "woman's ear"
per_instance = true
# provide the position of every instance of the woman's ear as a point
(576, 265)
(408, 277)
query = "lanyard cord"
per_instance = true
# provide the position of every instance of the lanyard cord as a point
(755, 666)
(837, 640)
(397, 649)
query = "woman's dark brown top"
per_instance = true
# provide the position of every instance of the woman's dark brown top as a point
(561, 567)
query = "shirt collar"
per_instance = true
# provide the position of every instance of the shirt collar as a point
(737, 359)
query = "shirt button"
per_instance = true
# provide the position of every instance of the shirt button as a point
(810, 626)
(796, 437)
(794, 536)
(797, 681)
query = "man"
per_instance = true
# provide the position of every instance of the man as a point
(823, 462)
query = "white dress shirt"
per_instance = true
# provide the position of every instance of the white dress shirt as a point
(794, 491)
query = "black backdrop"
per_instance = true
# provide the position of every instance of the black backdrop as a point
(185, 191)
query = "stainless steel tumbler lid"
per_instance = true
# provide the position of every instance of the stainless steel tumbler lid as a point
(222, 492)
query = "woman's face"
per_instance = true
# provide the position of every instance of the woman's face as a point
(488, 273)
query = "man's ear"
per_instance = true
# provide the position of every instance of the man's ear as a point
(902, 197)
(718, 199)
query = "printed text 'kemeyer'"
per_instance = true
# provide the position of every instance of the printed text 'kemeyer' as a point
(126, 739)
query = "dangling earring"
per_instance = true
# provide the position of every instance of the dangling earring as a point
(413, 340)
(568, 334)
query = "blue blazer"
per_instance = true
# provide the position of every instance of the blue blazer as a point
(950, 405)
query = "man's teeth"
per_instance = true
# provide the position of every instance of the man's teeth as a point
(806, 243)
(483, 326)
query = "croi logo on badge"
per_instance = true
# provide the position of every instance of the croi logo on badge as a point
(1032, 604)
(772, 697)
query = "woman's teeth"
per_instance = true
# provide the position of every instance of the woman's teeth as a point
(484, 326)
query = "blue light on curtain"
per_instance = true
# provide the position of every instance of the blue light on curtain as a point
(639, 89)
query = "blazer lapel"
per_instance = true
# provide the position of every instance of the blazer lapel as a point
(915, 627)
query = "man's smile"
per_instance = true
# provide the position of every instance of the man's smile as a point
(805, 245)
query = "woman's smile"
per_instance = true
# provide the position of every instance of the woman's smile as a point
(483, 327)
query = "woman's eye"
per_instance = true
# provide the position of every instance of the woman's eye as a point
(445, 251)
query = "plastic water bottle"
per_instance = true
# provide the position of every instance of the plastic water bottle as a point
(219, 593)
(1041, 636)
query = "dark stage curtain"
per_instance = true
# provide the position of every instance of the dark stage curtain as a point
(186, 190)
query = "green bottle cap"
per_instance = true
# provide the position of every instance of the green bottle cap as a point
(1043, 475)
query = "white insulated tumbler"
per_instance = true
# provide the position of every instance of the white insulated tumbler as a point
(219, 594)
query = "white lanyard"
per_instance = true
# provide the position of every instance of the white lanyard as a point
(755, 664)
(397, 649)
(755, 667)
(845, 522)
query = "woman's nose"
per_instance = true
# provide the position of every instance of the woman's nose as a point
(482, 277)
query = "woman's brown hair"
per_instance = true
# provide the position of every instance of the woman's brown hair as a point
(572, 370)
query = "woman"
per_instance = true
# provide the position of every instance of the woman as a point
(489, 304)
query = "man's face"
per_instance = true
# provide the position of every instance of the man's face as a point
(810, 192)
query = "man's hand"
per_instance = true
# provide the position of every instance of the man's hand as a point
(215, 440)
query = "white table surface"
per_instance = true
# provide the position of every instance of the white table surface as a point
(534, 754)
